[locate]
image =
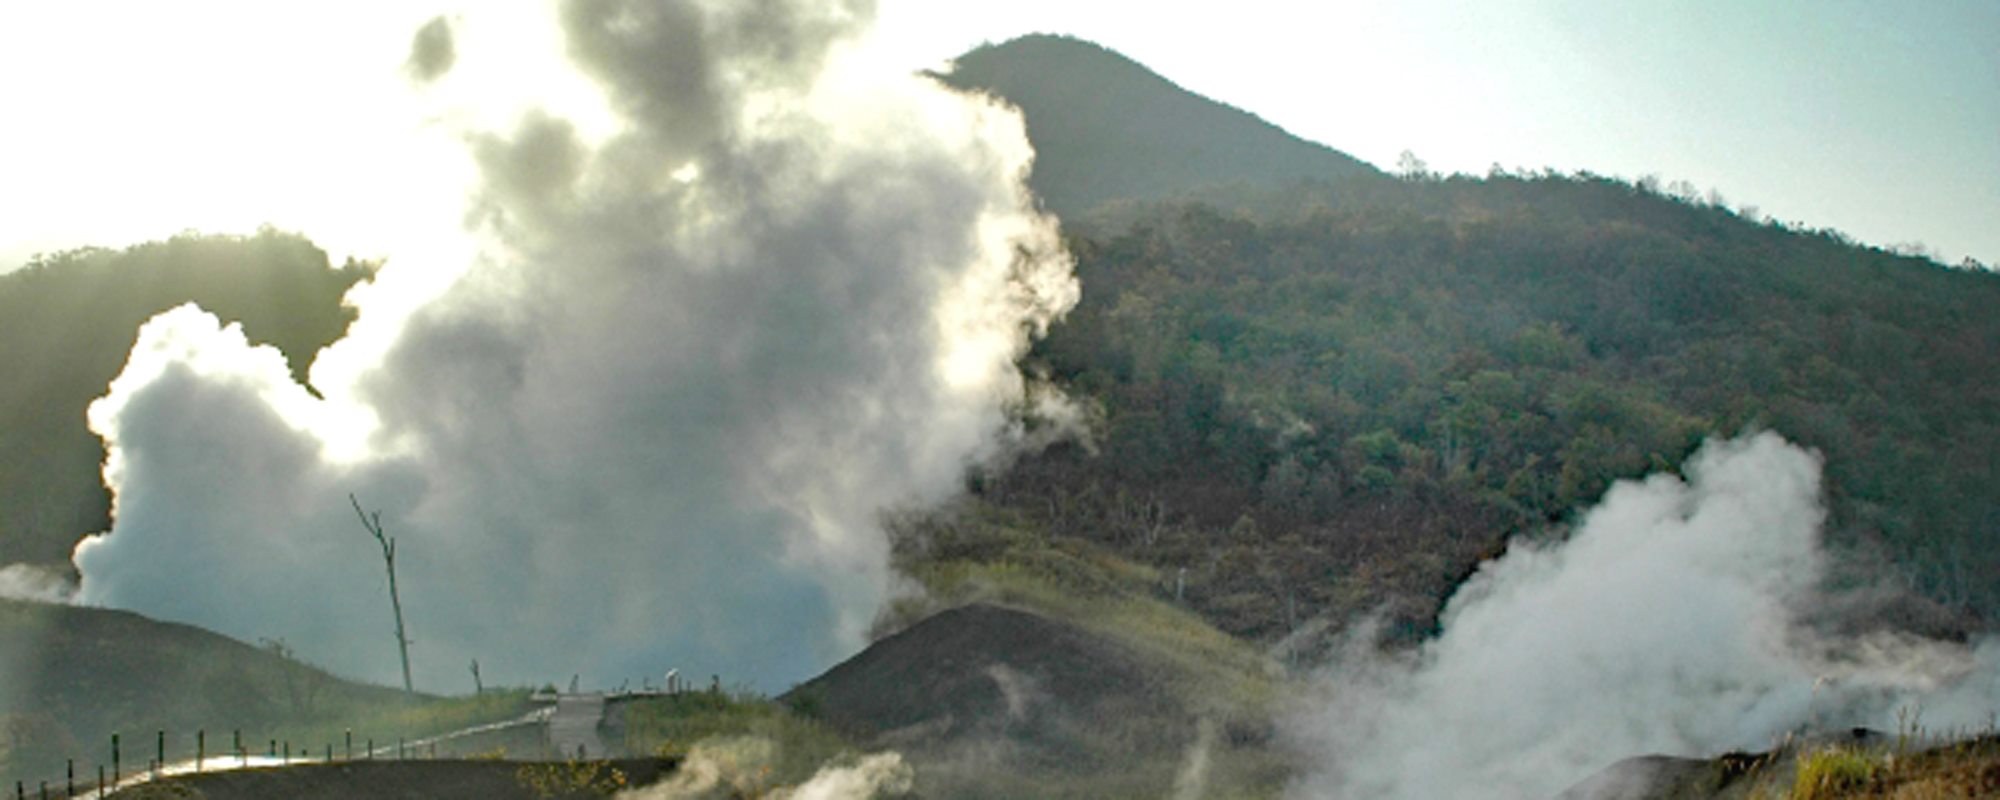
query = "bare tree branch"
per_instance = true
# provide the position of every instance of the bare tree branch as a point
(373, 522)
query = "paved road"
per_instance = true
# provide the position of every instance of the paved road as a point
(574, 725)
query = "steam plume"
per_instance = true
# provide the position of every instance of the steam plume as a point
(740, 767)
(701, 324)
(34, 584)
(1666, 624)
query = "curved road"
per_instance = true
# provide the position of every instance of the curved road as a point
(573, 726)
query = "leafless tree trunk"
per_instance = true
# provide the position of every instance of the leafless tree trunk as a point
(373, 522)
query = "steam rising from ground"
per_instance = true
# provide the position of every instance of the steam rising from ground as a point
(740, 767)
(700, 325)
(1666, 624)
(34, 583)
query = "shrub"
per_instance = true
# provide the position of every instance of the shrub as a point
(1829, 772)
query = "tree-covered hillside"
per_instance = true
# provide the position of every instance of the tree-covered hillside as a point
(1329, 399)
(1326, 392)
(67, 323)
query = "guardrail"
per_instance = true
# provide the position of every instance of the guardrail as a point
(113, 775)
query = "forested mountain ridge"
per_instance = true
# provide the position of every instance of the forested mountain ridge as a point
(67, 324)
(1329, 399)
(1107, 129)
(1326, 395)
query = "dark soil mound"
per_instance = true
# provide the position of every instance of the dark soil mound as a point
(430, 780)
(984, 675)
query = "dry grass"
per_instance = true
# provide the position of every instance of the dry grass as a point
(1837, 772)
(1966, 769)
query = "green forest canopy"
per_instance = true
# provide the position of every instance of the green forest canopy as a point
(1331, 398)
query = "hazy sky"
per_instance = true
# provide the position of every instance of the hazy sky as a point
(1879, 119)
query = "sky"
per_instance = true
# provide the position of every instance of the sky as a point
(1881, 120)
(1878, 119)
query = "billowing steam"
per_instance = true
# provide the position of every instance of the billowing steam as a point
(1667, 624)
(742, 766)
(700, 325)
(34, 583)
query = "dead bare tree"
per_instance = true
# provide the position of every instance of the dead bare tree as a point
(373, 522)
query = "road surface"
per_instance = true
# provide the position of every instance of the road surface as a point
(573, 726)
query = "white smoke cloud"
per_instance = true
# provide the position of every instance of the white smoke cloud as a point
(873, 775)
(642, 411)
(1666, 624)
(1191, 782)
(34, 584)
(741, 767)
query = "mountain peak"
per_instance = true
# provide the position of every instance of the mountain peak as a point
(1107, 128)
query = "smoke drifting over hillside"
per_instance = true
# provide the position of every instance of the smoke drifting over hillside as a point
(34, 584)
(1666, 624)
(702, 323)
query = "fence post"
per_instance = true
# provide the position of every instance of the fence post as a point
(100, 781)
(160, 763)
(200, 749)
(371, 748)
(69, 779)
(236, 742)
(115, 776)
(350, 744)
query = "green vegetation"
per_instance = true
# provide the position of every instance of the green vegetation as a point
(1968, 768)
(67, 323)
(1324, 392)
(1331, 399)
(1834, 772)
(71, 677)
(564, 779)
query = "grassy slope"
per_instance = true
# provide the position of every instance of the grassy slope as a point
(1902, 768)
(70, 677)
(1213, 691)
(1204, 688)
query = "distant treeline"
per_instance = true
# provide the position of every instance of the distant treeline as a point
(67, 323)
